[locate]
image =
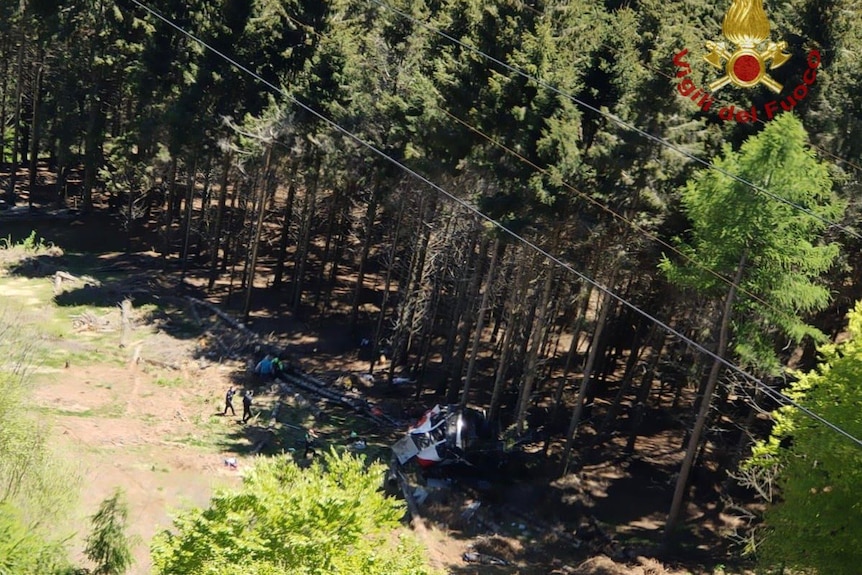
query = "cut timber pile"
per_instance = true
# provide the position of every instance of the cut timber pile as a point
(89, 321)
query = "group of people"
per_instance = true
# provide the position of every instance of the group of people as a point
(246, 403)
(310, 434)
(268, 367)
(272, 367)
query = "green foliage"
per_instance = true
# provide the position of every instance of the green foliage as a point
(32, 243)
(783, 246)
(817, 524)
(36, 487)
(328, 519)
(108, 546)
(24, 551)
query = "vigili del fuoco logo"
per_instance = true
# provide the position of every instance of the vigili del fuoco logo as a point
(745, 61)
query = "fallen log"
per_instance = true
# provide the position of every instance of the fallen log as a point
(359, 405)
(412, 507)
(228, 320)
(158, 363)
(263, 442)
(273, 418)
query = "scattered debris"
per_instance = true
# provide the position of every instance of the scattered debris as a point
(89, 321)
(420, 494)
(61, 276)
(470, 511)
(483, 559)
(159, 363)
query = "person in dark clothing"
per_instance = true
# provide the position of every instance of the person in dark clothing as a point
(310, 436)
(228, 401)
(246, 406)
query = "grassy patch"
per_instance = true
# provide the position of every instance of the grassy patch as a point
(208, 441)
(46, 330)
(170, 382)
(110, 410)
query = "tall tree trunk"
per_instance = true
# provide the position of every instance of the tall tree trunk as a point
(577, 327)
(247, 235)
(286, 217)
(217, 232)
(231, 226)
(187, 220)
(92, 137)
(607, 303)
(331, 218)
(169, 209)
(340, 239)
(454, 319)
(407, 309)
(522, 340)
(370, 217)
(640, 403)
(536, 337)
(238, 237)
(515, 306)
(625, 384)
(308, 206)
(387, 285)
(467, 316)
(584, 299)
(480, 322)
(4, 87)
(426, 338)
(35, 122)
(258, 228)
(703, 413)
(60, 186)
(12, 196)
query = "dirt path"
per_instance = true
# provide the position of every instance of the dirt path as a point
(144, 432)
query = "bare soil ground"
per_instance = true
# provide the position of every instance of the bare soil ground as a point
(151, 432)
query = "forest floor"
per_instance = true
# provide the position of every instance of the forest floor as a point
(153, 427)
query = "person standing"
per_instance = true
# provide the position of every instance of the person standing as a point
(246, 406)
(310, 437)
(228, 401)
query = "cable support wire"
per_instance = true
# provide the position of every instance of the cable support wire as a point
(672, 77)
(590, 199)
(769, 391)
(619, 121)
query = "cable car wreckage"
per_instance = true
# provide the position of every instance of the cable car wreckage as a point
(447, 435)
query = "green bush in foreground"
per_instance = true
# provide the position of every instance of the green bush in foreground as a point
(26, 551)
(816, 524)
(37, 487)
(328, 519)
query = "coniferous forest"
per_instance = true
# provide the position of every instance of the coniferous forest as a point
(568, 214)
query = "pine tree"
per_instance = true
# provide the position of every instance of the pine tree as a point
(108, 546)
(771, 249)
